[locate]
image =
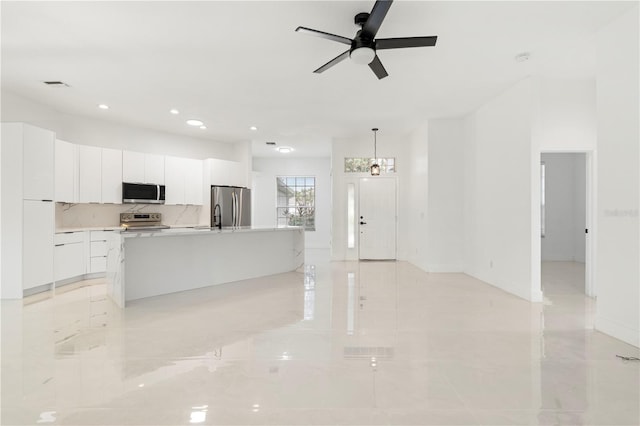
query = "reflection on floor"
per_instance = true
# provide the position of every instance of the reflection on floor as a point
(341, 343)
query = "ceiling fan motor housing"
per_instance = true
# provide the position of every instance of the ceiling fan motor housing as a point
(361, 18)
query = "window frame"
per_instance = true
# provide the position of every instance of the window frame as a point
(295, 186)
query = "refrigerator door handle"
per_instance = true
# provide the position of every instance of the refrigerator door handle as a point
(233, 209)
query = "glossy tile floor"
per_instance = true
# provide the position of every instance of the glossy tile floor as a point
(342, 343)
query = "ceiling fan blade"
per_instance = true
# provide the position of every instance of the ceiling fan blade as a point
(341, 57)
(322, 34)
(397, 43)
(377, 68)
(379, 11)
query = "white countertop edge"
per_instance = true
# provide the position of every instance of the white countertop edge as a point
(203, 231)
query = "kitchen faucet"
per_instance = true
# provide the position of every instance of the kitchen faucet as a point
(219, 216)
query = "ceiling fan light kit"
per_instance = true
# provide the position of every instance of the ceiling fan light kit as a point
(364, 45)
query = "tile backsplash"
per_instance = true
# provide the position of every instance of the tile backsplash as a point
(108, 215)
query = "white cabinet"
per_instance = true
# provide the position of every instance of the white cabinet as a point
(142, 168)
(37, 172)
(193, 180)
(90, 174)
(66, 172)
(132, 166)
(224, 172)
(37, 243)
(174, 180)
(183, 181)
(69, 255)
(98, 251)
(111, 176)
(154, 169)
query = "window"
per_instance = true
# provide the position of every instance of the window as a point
(296, 201)
(363, 165)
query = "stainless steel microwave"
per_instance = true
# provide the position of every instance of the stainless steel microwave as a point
(142, 193)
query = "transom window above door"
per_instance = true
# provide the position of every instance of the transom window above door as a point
(363, 164)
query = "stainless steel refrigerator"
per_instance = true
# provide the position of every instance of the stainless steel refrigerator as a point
(230, 206)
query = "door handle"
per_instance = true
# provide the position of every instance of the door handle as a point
(363, 223)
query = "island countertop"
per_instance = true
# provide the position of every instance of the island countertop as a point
(195, 230)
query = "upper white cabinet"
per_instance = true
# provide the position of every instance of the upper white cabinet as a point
(183, 180)
(174, 180)
(132, 166)
(37, 172)
(66, 167)
(224, 172)
(193, 182)
(142, 168)
(111, 176)
(90, 172)
(154, 169)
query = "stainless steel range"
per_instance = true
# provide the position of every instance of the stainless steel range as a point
(141, 221)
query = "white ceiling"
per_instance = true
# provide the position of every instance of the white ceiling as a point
(236, 64)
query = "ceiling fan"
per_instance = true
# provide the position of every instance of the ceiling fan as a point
(364, 45)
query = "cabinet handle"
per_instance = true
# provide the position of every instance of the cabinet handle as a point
(48, 201)
(58, 245)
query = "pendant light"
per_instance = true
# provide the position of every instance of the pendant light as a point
(375, 167)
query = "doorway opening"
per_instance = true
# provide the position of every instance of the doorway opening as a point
(566, 206)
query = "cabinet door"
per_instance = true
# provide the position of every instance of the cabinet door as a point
(154, 169)
(133, 167)
(38, 174)
(174, 180)
(69, 261)
(37, 245)
(66, 167)
(111, 176)
(193, 182)
(90, 181)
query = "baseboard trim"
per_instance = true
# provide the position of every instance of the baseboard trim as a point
(619, 331)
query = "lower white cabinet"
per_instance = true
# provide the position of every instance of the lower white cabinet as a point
(98, 251)
(37, 243)
(69, 255)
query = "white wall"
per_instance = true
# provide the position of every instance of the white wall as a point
(264, 193)
(566, 118)
(88, 131)
(445, 196)
(618, 245)
(498, 204)
(418, 192)
(565, 207)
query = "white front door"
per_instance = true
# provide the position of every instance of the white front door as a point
(377, 218)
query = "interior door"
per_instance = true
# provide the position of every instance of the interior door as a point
(377, 218)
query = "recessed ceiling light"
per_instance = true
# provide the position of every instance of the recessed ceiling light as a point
(103, 106)
(253, 128)
(203, 127)
(284, 149)
(174, 111)
(193, 122)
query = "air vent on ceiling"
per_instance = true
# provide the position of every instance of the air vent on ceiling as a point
(271, 143)
(56, 83)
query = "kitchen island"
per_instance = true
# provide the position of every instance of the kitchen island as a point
(151, 263)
